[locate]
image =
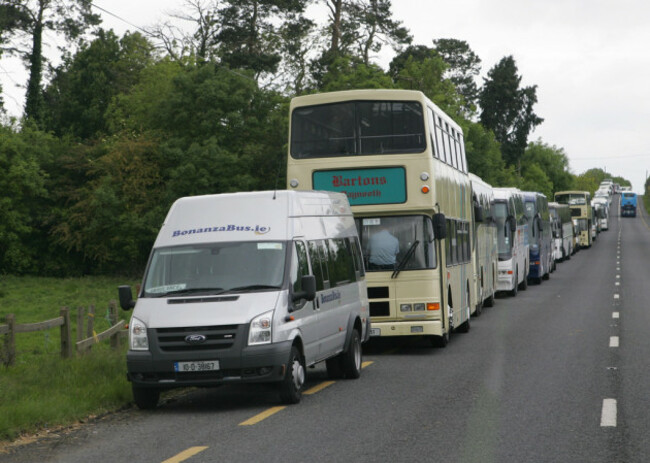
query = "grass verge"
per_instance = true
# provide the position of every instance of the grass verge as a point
(42, 390)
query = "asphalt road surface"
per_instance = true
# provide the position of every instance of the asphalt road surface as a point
(557, 374)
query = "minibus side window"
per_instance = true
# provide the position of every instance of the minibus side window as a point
(299, 265)
(341, 264)
(318, 256)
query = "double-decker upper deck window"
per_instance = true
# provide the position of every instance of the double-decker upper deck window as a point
(357, 128)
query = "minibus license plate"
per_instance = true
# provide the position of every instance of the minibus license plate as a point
(191, 367)
(375, 332)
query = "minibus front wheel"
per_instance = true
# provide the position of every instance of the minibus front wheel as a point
(146, 398)
(294, 378)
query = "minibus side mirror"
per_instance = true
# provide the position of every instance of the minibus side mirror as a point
(440, 226)
(126, 297)
(308, 283)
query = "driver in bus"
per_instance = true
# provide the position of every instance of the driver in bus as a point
(383, 249)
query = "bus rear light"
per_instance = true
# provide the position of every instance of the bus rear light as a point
(424, 189)
(294, 183)
(433, 306)
(510, 272)
(537, 262)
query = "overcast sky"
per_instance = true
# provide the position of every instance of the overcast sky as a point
(588, 58)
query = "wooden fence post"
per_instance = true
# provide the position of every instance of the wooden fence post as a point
(91, 321)
(80, 323)
(10, 343)
(66, 334)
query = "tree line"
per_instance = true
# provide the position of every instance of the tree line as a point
(124, 125)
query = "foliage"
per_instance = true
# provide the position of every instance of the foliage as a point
(464, 66)
(507, 110)
(427, 76)
(84, 85)
(69, 18)
(546, 169)
(22, 181)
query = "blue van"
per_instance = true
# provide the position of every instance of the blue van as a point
(628, 204)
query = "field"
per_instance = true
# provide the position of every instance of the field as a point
(42, 390)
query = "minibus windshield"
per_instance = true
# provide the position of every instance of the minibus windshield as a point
(216, 268)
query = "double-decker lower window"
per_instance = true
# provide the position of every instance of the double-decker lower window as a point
(404, 242)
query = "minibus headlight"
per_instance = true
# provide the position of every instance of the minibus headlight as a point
(405, 307)
(138, 339)
(418, 307)
(261, 329)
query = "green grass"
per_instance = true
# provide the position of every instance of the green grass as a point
(42, 389)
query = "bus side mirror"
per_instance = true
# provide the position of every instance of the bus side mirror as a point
(126, 297)
(308, 283)
(513, 224)
(440, 226)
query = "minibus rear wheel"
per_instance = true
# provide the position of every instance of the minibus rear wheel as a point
(351, 359)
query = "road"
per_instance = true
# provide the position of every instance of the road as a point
(557, 374)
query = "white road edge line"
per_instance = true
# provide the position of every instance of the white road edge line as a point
(608, 415)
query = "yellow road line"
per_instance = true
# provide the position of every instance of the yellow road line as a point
(272, 411)
(262, 416)
(318, 387)
(189, 453)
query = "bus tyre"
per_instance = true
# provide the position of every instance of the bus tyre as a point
(513, 291)
(146, 398)
(489, 302)
(351, 359)
(440, 341)
(294, 378)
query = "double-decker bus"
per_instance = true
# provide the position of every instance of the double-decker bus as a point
(512, 239)
(484, 245)
(580, 204)
(401, 162)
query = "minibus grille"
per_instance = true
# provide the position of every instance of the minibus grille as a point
(216, 338)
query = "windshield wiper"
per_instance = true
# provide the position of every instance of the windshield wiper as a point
(253, 287)
(191, 291)
(405, 259)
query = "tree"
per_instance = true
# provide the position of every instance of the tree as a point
(464, 66)
(507, 110)
(484, 156)
(78, 96)
(345, 73)
(357, 28)
(418, 53)
(247, 39)
(427, 77)
(552, 161)
(37, 17)
(22, 181)
(371, 27)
